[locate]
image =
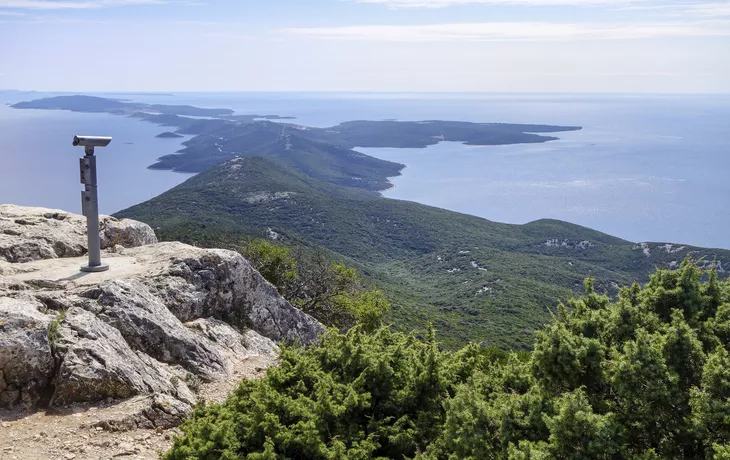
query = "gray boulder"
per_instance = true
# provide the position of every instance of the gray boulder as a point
(28, 234)
(125, 232)
(149, 411)
(201, 283)
(26, 363)
(97, 363)
(231, 340)
(148, 326)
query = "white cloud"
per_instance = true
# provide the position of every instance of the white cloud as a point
(11, 13)
(705, 9)
(695, 7)
(513, 31)
(446, 3)
(712, 9)
(73, 5)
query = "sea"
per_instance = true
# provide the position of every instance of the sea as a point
(644, 167)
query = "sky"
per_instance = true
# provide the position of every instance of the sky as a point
(630, 46)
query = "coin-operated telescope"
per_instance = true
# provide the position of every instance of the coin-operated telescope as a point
(90, 199)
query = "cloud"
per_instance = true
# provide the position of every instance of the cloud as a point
(693, 7)
(446, 3)
(512, 31)
(11, 13)
(710, 10)
(73, 5)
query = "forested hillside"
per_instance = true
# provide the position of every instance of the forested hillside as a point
(474, 279)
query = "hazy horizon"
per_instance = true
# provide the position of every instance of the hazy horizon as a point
(111, 92)
(576, 46)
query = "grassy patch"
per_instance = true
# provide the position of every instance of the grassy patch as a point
(53, 334)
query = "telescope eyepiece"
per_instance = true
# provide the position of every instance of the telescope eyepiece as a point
(91, 141)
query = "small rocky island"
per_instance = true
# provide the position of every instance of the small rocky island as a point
(168, 135)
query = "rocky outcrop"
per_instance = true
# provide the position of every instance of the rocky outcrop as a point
(28, 234)
(150, 411)
(222, 284)
(125, 232)
(148, 326)
(97, 363)
(26, 364)
(163, 319)
(568, 244)
(229, 340)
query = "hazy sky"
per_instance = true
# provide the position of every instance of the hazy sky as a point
(366, 45)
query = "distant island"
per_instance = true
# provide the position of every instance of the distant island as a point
(168, 135)
(326, 154)
(93, 104)
(141, 94)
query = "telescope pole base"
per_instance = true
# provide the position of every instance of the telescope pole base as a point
(95, 268)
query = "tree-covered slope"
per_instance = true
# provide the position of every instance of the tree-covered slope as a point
(644, 377)
(222, 141)
(475, 279)
(392, 133)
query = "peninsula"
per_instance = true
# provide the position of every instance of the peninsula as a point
(326, 154)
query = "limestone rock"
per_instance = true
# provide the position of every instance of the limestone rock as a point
(258, 344)
(149, 411)
(201, 283)
(225, 336)
(97, 363)
(28, 234)
(125, 232)
(38, 233)
(26, 363)
(121, 333)
(148, 326)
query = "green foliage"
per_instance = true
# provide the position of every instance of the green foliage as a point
(275, 262)
(331, 292)
(476, 280)
(353, 396)
(53, 334)
(368, 308)
(644, 377)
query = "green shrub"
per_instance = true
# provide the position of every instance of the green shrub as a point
(643, 377)
(331, 292)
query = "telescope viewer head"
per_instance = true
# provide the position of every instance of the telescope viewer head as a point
(91, 141)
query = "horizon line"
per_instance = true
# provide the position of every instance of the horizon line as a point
(172, 93)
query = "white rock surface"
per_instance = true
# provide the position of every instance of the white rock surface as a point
(148, 326)
(97, 363)
(28, 234)
(164, 318)
(26, 364)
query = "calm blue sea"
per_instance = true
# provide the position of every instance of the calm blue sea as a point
(644, 168)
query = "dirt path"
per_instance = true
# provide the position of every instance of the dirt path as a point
(69, 433)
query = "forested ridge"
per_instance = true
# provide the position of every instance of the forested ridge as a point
(474, 279)
(644, 376)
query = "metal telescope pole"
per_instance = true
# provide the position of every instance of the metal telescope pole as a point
(90, 209)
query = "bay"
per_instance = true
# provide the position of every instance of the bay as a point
(644, 168)
(39, 166)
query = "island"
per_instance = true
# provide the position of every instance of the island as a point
(326, 154)
(168, 135)
(93, 104)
